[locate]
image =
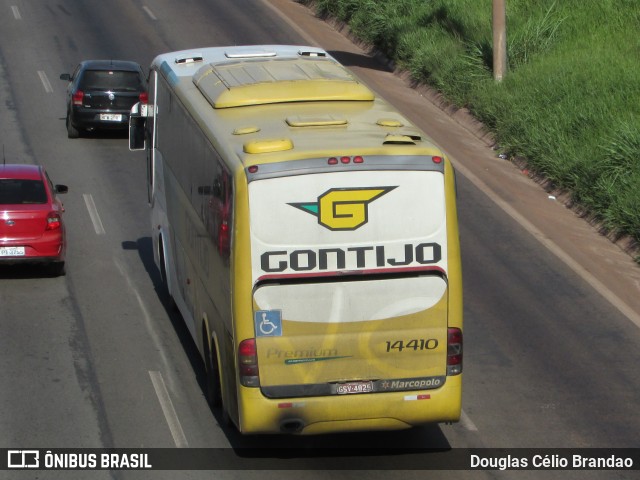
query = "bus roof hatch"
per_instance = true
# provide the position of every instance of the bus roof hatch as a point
(264, 81)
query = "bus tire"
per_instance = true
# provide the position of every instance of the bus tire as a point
(163, 275)
(213, 390)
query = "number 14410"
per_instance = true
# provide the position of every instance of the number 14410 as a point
(415, 344)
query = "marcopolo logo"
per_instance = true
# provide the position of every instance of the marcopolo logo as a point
(343, 208)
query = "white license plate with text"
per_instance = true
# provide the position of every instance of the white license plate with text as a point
(11, 251)
(111, 117)
(354, 387)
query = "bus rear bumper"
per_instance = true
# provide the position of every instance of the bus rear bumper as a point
(350, 413)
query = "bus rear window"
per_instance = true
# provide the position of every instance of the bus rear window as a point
(369, 298)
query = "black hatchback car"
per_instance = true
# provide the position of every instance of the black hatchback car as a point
(101, 93)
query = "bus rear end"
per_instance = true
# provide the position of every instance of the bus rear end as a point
(356, 297)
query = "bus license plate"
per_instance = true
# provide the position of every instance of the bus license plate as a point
(354, 387)
(111, 117)
(11, 251)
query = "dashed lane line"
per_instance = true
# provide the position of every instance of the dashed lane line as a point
(466, 422)
(93, 213)
(45, 82)
(167, 408)
(150, 13)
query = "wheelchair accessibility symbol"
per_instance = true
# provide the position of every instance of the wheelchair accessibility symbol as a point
(268, 323)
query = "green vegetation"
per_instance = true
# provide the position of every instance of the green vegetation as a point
(570, 103)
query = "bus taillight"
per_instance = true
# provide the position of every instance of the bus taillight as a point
(454, 351)
(248, 363)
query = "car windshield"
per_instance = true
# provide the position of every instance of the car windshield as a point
(111, 80)
(16, 192)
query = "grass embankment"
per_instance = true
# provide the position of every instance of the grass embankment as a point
(570, 102)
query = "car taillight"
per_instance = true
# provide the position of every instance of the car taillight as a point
(454, 351)
(144, 97)
(78, 97)
(53, 221)
(248, 363)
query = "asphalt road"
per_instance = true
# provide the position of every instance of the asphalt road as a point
(96, 359)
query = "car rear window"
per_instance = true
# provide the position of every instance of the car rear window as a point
(16, 192)
(115, 80)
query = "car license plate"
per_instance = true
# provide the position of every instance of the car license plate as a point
(11, 251)
(354, 387)
(111, 117)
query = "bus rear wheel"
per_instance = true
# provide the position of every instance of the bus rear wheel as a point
(213, 383)
(214, 394)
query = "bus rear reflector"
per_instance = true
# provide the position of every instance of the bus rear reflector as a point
(454, 351)
(248, 363)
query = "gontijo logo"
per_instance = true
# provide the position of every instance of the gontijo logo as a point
(343, 208)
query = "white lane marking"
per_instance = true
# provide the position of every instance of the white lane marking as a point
(45, 81)
(150, 13)
(93, 213)
(168, 410)
(16, 12)
(466, 422)
(148, 321)
(582, 272)
(159, 383)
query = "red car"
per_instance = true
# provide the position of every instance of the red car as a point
(31, 227)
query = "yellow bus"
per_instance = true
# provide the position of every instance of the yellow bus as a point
(307, 233)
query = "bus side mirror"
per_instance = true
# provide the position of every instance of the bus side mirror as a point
(137, 126)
